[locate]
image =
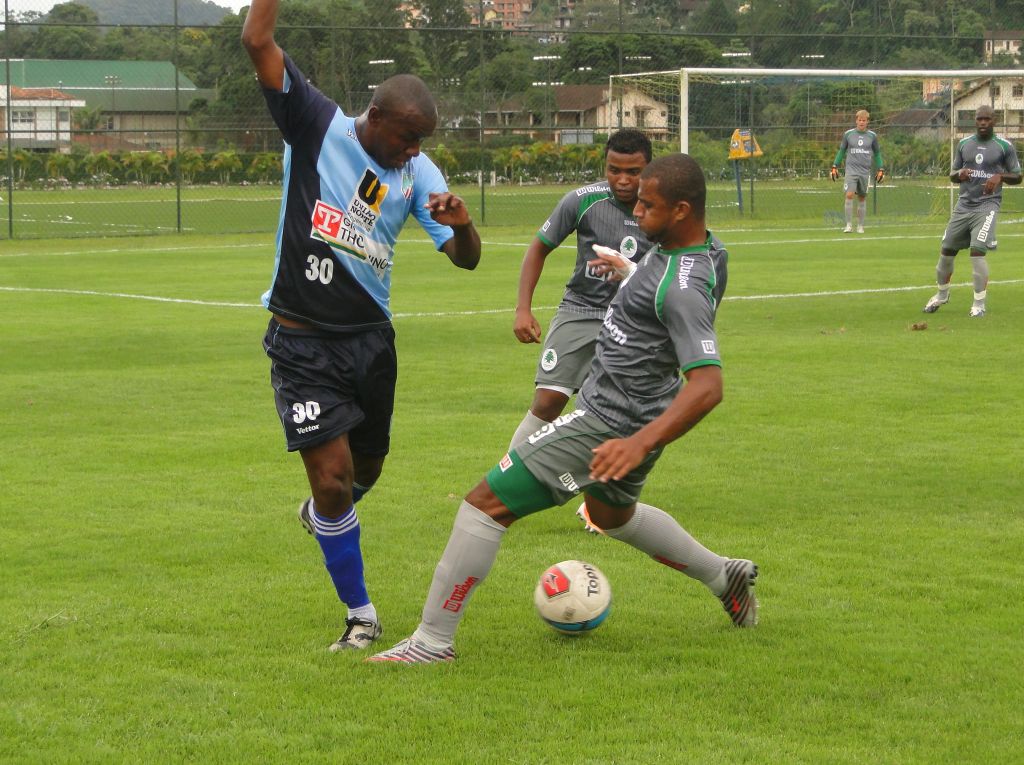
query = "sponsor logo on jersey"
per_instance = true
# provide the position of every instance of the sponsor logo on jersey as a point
(630, 222)
(569, 482)
(686, 264)
(407, 182)
(549, 428)
(590, 190)
(546, 226)
(616, 334)
(708, 346)
(506, 463)
(549, 359)
(345, 236)
(459, 594)
(365, 203)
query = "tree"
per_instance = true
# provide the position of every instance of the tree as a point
(226, 163)
(71, 37)
(264, 165)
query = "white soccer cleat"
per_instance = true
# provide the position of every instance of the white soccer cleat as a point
(977, 311)
(738, 599)
(860, 229)
(848, 229)
(305, 517)
(588, 525)
(935, 302)
(412, 651)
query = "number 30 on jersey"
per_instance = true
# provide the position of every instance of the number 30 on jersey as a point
(319, 269)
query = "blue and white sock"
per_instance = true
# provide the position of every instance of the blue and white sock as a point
(339, 541)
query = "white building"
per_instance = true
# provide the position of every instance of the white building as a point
(39, 118)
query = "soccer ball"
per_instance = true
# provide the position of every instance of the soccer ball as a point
(573, 596)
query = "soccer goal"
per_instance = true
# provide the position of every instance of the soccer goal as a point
(767, 137)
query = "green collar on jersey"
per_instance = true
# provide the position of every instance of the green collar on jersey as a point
(691, 250)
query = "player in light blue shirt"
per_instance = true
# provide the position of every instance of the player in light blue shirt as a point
(350, 183)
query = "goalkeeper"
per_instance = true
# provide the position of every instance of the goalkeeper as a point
(861, 151)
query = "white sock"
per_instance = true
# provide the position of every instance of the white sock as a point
(658, 534)
(367, 612)
(531, 424)
(472, 548)
(862, 208)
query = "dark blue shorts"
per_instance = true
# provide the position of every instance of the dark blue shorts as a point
(326, 385)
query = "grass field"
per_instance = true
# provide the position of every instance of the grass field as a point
(160, 603)
(134, 211)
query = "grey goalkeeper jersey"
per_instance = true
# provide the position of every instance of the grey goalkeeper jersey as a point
(861, 151)
(597, 218)
(984, 159)
(661, 323)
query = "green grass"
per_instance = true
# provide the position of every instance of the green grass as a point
(161, 603)
(804, 203)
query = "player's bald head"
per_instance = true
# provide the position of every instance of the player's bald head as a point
(680, 179)
(404, 92)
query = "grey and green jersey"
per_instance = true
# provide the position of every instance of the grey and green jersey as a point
(861, 151)
(984, 159)
(661, 323)
(597, 217)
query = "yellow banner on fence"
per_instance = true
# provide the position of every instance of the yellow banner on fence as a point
(743, 145)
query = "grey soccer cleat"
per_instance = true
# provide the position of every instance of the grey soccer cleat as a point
(305, 516)
(359, 634)
(739, 599)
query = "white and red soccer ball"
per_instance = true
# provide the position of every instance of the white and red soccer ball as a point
(573, 596)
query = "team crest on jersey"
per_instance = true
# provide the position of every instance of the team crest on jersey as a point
(628, 247)
(860, 141)
(979, 157)
(365, 203)
(549, 360)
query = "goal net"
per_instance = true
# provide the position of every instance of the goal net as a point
(766, 138)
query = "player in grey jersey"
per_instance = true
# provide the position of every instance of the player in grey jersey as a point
(632, 404)
(602, 214)
(862, 152)
(982, 163)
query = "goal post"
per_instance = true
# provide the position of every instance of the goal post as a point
(798, 118)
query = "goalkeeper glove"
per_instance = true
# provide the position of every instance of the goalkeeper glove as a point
(834, 172)
(879, 175)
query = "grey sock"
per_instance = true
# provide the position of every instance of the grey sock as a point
(531, 424)
(862, 209)
(472, 548)
(658, 534)
(848, 208)
(944, 271)
(979, 267)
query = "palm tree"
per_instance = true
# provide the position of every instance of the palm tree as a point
(225, 163)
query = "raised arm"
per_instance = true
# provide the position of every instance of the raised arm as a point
(258, 39)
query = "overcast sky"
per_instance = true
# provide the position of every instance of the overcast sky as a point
(44, 5)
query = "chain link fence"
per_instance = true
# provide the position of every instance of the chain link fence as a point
(161, 127)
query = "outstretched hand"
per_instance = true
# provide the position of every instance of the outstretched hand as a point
(448, 209)
(611, 262)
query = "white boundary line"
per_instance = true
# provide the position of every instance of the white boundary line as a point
(482, 312)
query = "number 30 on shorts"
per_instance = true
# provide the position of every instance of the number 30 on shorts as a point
(308, 411)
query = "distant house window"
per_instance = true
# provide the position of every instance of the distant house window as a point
(64, 116)
(108, 122)
(995, 91)
(22, 117)
(1018, 91)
